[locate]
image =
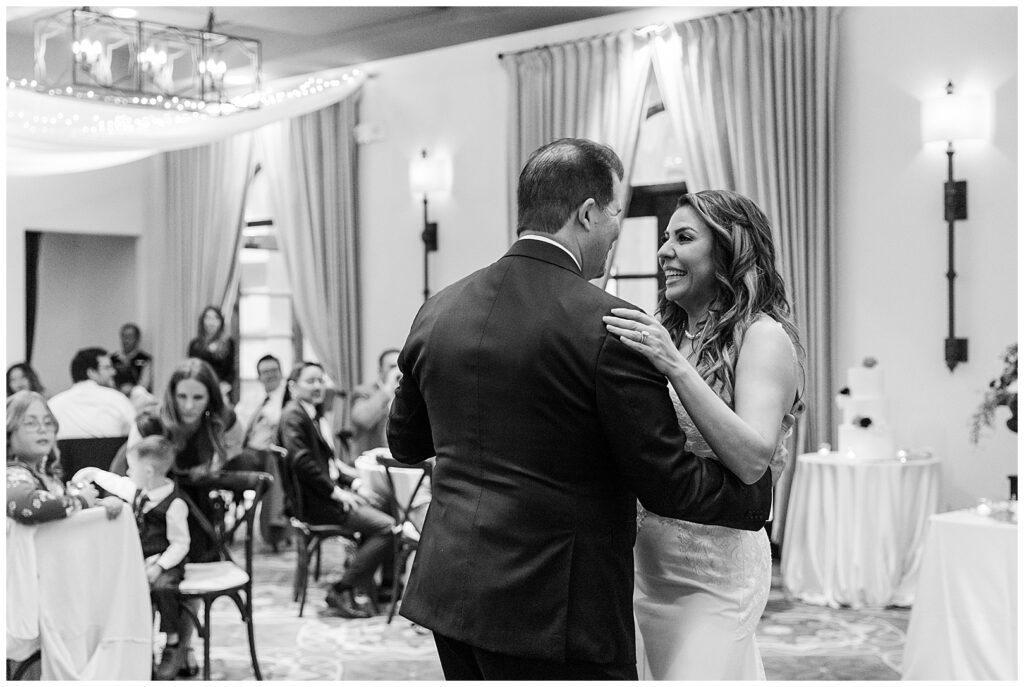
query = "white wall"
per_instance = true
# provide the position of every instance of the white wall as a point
(87, 290)
(891, 234)
(119, 201)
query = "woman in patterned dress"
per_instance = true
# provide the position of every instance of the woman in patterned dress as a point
(35, 492)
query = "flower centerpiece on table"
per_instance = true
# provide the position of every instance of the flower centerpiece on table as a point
(1002, 391)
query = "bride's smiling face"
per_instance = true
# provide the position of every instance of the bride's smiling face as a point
(687, 259)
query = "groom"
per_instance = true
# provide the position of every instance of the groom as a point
(546, 429)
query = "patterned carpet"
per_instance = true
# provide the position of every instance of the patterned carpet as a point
(797, 641)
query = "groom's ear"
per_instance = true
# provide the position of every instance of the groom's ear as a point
(584, 213)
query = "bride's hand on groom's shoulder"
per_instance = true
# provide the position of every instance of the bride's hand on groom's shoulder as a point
(645, 335)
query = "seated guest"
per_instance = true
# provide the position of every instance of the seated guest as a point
(132, 365)
(326, 485)
(92, 407)
(162, 517)
(213, 343)
(260, 415)
(205, 435)
(21, 376)
(371, 402)
(35, 491)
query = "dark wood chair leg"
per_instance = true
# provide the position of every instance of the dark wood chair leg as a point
(252, 634)
(206, 639)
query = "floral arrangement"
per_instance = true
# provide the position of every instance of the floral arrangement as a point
(1002, 391)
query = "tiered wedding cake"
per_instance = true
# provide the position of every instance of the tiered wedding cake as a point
(864, 433)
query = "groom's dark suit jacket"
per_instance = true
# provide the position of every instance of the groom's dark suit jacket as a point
(546, 429)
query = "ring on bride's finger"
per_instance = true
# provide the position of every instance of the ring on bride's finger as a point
(643, 337)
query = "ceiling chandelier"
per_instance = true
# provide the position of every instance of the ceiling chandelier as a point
(87, 54)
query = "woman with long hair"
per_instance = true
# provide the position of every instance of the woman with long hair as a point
(728, 346)
(205, 435)
(21, 376)
(35, 486)
(213, 343)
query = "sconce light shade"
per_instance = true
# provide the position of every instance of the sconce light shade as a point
(430, 175)
(954, 117)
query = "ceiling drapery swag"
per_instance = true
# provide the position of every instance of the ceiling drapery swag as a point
(54, 135)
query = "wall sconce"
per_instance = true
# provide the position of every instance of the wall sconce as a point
(429, 175)
(954, 117)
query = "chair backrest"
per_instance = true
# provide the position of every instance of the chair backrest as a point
(239, 482)
(401, 496)
(93, 452)
(293, 506)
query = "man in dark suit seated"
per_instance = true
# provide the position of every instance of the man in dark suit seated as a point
(546, 430)
(329, 487)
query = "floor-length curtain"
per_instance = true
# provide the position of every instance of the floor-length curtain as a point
(592, 88)
(751, 95)
(205, 212)
(310, 163)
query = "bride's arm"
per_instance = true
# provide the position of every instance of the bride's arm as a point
(744, 439)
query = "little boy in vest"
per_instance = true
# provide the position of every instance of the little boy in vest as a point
(162, 517)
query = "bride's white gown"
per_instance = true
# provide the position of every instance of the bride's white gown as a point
(700, 590)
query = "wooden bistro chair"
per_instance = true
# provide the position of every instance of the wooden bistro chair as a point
(401, 494)
(309, 538)
(226, 576)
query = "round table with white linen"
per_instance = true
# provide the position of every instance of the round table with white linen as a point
(77, 590)
(855, 529)
(964, 622)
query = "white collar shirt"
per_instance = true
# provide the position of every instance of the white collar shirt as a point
(545, 239)
(90, 410)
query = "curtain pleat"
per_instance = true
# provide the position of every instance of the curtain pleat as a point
(751, 94)
(310, 162)
(205, 213)
(592, 88)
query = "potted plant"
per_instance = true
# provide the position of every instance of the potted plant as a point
(1002, 391)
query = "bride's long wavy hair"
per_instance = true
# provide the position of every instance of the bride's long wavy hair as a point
(749, 285)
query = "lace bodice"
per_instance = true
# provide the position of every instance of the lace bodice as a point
(696, 443)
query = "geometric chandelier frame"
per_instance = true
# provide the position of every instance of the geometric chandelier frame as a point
(88, 54)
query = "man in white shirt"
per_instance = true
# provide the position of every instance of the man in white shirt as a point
(92, 407)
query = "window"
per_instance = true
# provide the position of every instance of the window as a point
(266, 320)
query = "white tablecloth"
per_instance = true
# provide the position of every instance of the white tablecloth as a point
(77, 588)
(855, 529)
(963, 625)
(405, 480)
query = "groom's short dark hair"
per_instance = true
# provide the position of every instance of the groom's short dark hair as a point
(559, 176)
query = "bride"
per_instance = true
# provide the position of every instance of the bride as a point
(727, 345)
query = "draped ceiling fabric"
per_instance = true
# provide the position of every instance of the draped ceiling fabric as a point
(592, 88)
(310, 163)
(198, 257)
(40, 141)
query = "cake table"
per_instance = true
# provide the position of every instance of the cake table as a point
(855, 529)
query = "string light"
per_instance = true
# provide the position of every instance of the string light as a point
(171, 112)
